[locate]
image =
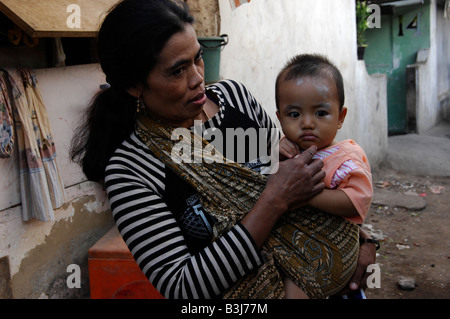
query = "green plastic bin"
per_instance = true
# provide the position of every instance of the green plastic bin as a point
(212, 46)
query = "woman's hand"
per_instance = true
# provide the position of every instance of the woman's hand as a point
(298, 179)
(367, 256)
(295, 182)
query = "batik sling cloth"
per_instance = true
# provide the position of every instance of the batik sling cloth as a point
(318, 251)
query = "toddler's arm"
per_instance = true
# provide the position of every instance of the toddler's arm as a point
(288, 149)
(334, 201)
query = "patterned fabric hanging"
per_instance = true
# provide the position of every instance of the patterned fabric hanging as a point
(41, 186)
(6, 119)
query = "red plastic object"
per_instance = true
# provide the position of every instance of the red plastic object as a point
(113, 272)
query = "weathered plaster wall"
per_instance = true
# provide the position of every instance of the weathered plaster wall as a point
(207, 17)
(39, 252)
(264, 34)
(43, 269)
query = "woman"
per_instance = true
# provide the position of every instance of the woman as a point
(153, 63)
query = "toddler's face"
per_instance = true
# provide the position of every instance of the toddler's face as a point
(309, 111)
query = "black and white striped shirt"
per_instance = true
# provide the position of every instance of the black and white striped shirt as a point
(160, 218)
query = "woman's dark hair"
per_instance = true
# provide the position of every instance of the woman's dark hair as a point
(313, 65)
(129, 42)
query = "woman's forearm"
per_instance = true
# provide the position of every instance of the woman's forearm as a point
(262, 218)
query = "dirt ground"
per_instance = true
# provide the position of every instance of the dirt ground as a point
(415, 243)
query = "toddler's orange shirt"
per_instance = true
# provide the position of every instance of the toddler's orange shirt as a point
(347, 168)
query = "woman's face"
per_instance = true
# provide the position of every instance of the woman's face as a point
(175, 88)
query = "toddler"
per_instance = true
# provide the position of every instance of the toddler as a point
(310, 107)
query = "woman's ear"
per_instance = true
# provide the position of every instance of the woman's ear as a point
(135, 91)
(342, 115)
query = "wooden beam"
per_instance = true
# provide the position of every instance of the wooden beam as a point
(48, 18)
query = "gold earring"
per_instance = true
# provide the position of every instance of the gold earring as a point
(138, 102)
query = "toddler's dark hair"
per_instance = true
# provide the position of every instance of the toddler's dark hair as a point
(312, 65)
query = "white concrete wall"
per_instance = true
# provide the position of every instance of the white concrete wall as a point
(433, 75)
(443, 62)
(66, 93)
(427, 110)
(264, 34)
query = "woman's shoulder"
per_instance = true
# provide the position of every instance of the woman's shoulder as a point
(133, 162)
(134, 151)
(229, 86)
(225, 82)
(235, 94)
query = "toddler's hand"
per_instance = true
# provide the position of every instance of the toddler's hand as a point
(288, 149)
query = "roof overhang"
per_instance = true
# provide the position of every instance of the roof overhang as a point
(57, 18)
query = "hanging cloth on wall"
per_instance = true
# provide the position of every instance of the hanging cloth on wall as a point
(6, 118)
(447, 9)
(41, 186)
(236, 3)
